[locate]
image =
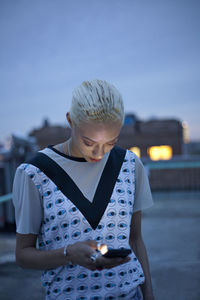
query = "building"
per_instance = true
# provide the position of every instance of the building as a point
(156, 139)
(193, 148)
(50, 135)
(160, 144)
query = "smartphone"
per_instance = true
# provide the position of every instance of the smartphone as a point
(117, 253)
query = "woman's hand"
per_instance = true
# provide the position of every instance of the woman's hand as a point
(80, 254)
(108, 263)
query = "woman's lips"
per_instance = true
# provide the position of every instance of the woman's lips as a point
(93, 159)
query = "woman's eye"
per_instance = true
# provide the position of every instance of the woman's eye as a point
(88, 144)
(113, 143)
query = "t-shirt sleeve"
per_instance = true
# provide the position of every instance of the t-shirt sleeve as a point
(27, 203)
(143, 197)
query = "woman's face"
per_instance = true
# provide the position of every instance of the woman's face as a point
(92, 140)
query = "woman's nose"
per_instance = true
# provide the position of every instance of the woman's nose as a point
(98, 152)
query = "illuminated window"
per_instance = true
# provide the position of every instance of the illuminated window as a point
(136, 150)
(186, 137)
(160, 152)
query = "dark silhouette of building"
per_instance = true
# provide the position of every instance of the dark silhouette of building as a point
(157, 132)
(50, 135)
(178, 171)
(134, 133)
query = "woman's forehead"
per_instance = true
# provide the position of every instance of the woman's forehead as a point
(98, 124)
(97, 131)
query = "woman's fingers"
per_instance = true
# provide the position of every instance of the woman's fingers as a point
(108, 263)
(84, 254)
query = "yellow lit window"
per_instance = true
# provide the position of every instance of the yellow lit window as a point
(186, 137)
(136, 150)
(160, 152)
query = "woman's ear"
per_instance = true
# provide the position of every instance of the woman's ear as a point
(69, 119)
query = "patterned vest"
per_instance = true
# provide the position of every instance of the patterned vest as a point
(68, 219)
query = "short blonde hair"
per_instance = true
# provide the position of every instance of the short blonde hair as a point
(96, 100)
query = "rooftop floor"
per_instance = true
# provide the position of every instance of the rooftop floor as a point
(171, 233)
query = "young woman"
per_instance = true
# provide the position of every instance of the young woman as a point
(77, 197)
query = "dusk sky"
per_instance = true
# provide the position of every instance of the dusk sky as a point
(150, 50)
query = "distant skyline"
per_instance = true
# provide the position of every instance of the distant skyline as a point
(150, 50)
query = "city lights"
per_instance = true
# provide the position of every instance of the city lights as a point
(160, 152)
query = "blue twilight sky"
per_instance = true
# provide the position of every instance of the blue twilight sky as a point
(149, 49)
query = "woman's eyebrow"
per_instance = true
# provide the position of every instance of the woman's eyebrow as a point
(85, 137)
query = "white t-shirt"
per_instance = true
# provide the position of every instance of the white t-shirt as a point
(28, 202)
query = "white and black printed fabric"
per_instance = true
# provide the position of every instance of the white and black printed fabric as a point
(69, 217)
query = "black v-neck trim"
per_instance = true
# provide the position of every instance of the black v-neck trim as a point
(80, 159)
(94, 211)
